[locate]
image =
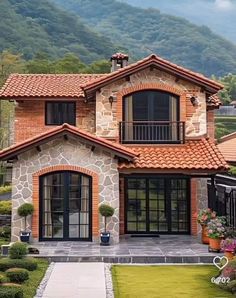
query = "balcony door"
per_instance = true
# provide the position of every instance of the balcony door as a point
(151, 116)
(65, 206)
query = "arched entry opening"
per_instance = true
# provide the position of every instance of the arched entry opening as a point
(65, 206)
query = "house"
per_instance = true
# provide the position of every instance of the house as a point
(227, 146)
(140, 138)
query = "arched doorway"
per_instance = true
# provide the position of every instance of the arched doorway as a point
(65, 206)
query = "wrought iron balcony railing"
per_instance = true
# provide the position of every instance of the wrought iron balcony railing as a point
(152, 132)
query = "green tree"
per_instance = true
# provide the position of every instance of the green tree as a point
(100, 66)
(70, 63)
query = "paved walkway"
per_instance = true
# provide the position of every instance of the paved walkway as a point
(76, 280)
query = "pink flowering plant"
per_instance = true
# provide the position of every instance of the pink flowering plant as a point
(216, 227)
(205, 215)
(229, 244)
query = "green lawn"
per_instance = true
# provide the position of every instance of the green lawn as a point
(166, 282)
(30, 286)
(225, 125)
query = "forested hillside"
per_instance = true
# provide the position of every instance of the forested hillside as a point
(144, 31)
(33, 26)
(219, 15)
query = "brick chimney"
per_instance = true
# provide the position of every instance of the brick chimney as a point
(119, 60)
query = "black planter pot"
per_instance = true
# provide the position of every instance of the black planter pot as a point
(105, 239)
(25, 237)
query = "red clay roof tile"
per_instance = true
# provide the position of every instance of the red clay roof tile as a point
(14, 150)
(46, 85)
(227, 147)
(160, 62)
(194, 155)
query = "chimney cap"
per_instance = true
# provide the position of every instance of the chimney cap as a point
(120, 56)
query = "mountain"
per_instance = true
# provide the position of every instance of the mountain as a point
(218, 15)
(32, 26)
(145, 31)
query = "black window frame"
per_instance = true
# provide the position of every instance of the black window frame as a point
(56, 123)
(167, 180)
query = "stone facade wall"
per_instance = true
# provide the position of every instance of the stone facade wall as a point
(30, 118)
(66, 152)
(106, 114)
(202, 194)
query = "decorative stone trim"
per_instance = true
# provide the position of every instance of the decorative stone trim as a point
(155, 86)
(95, 195)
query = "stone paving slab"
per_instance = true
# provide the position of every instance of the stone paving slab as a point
(83, 280)
(166, 249)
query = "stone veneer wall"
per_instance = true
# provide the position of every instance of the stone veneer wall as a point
(66, 152)
(202, 194)
(106, 115)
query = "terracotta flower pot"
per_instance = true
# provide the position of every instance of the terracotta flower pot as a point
(215, 243)
(205, 238)
(229, 254)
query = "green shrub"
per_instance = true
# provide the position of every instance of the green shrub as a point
(18, 250)
(11, 292)
(5, 189)
(5, 232)
(230, 272)
(18, 275)
(5, 207)
(2, 279)
(28, 263)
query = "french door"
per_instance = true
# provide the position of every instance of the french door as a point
(157, 205)
(65, 206)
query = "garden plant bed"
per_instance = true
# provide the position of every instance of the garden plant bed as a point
(30, 286)
(166, 281)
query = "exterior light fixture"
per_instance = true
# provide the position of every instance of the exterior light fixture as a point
(111, 99)
(195, 101)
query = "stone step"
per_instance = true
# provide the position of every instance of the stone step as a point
(133, 259)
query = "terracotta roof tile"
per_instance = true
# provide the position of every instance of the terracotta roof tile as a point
(227, 147)
(14, 150)
(194, 155)
(46, 85)
(154, 59)
(214, 101)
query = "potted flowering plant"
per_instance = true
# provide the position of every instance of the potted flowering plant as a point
(216, 232)
(229, 246)
(204, 216)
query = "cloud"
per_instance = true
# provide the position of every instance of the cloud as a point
(224, 4)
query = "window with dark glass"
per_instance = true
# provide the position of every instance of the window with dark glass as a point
(152, 116)
(157, 205)
(58, 113)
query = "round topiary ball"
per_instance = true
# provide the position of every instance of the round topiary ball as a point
(18, 250)
(106, 210)
(17, 275)
(25, 209)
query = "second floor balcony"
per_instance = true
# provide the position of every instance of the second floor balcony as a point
(152, 132)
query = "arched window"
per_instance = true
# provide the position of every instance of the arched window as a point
(150, 116)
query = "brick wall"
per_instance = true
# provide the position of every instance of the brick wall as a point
(211, 124)
(30, 118)
(122, 206)
(194, 207)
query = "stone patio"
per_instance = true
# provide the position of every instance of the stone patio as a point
(166, 249)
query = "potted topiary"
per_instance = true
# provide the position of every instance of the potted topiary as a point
(216, 232)
(25, 210)
(105, 211)
(204, 216)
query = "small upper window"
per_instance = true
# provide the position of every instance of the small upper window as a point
(58, 113)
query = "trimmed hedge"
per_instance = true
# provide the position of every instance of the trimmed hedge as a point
(5, 232)
(5, 207)
(5, 189)
(2, 279)
(18, 250)
(11, 292)
(29, 264)
(17, 275)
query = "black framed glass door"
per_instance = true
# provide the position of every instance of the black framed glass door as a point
(65, 206)
(157, 205)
